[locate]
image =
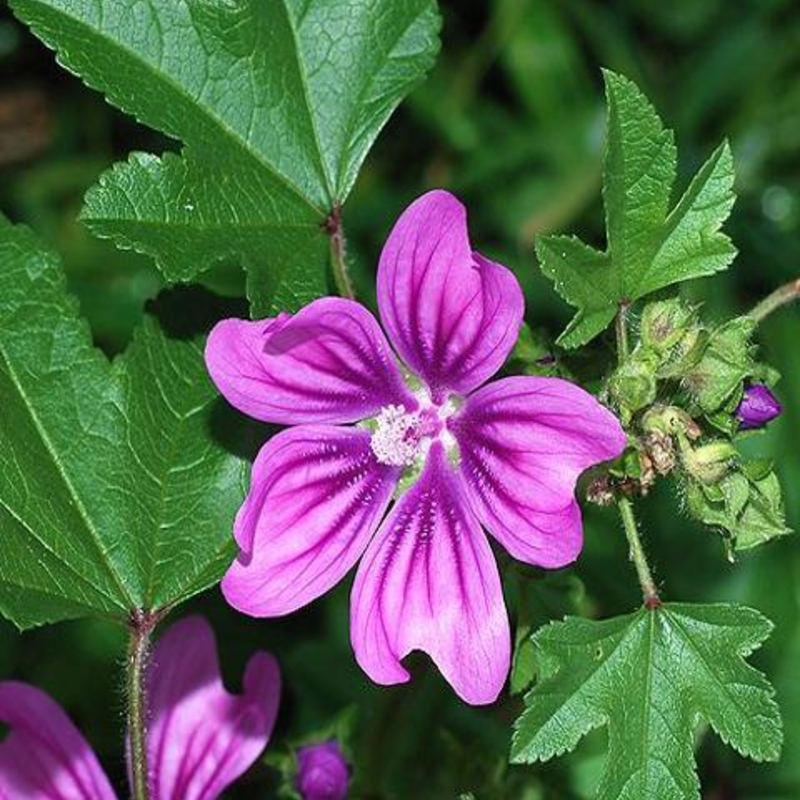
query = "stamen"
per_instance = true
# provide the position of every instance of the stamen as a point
(402, 438)
(396, 439)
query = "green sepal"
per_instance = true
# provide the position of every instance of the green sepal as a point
(746, 505)
(726, 361)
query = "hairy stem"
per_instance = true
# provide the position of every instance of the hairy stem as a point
(141, 627)
(782, 296)
(338, 245)
(621, 329)
(649, 590)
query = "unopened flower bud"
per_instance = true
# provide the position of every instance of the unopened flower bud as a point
(758, 407)
(633, 384)
(670, 420)
(322, 772)
(684, 355)
(665, 323)
(710, 462)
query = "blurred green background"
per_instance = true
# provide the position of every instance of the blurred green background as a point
(511, 119)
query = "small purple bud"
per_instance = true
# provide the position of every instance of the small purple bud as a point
(758, 407)
(322, 773)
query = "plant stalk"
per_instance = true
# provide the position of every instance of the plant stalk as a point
(141, 627)
(649, 590)
(637, 554)
(621, 328)
(338, 247)
(782, 296)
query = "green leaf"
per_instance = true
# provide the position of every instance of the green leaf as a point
(725, 363)
(747, 505)
(649, 247)
(650, 677)
(113, 495)
(277, 103)
(763, 518)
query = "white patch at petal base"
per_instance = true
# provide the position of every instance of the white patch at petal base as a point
(394, 441)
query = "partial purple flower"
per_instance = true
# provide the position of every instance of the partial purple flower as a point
(200, 737)
(462, 457)
(758, 407)
(322, 772)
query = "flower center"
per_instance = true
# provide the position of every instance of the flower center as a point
(401, 437)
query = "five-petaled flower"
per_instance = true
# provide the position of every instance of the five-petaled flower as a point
(505, 456)
(199, 740)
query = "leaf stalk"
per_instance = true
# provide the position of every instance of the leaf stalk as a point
(637, 554)
(782, 296)
(621, 327)
(338, 247)
(142, 624)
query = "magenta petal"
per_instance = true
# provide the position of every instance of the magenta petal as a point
(429, 582)
(330, 362)
(316, 497)
(523, 443)
(200, 737)
(452, 315)
(44, 756)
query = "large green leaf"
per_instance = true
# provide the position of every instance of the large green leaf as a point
(277, 101)
(113, 493)
(650, 677)
(649, 246)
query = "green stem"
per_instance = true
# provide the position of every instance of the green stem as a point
(338, 246)
(637, 555)
(621, 328)
(649, 590)
(138, 649)
(782, 296)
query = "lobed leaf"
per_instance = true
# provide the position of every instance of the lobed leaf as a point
(114, 495)
(649, 247)
(650, 677)
(277, 102)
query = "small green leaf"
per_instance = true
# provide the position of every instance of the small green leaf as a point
(747, 505)
(651, 677)
(723, 366)
(763, 518)
(277, 103)
(649, 247)
(113, 495)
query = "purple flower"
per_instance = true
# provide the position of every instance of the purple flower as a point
(199, 738)
(322, 772)
(505, 456)
(758, 407)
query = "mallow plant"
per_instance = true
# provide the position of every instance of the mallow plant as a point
(416, 443)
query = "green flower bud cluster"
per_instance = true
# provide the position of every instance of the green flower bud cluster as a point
(676, 394)
(672, 341)
(672, 329)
